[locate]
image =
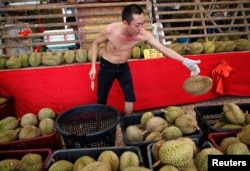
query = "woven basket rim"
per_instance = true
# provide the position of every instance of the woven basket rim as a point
(197, 85)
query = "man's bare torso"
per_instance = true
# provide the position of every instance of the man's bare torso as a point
(118, 46)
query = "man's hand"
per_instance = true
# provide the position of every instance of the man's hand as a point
(192, 65)
(92, 73)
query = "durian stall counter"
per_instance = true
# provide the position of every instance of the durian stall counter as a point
(158, 82)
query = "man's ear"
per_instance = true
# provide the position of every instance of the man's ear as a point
(125, 22)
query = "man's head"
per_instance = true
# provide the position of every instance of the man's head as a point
(129, 11)
(133, 17)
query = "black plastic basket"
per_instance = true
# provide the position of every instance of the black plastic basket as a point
(88, 126)
(73, 154)
(135, 120)
(209, 115)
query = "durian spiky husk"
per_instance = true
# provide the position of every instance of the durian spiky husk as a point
(197, 85)
(244, 134)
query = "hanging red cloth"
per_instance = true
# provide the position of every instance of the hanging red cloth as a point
(221, 77)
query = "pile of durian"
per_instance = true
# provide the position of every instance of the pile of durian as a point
(175, 123)
(107, 160)
(36, 59)
(28, 126)
(238, 144)
(212, 45)
(231, 117)
(181, 154)
(28, 162)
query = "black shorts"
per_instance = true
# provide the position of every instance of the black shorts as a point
(107, 75)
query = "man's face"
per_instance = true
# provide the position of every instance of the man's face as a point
(136, 24)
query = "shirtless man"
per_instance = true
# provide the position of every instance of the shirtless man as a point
(119, 39)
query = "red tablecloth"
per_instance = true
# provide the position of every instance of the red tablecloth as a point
(158, 83)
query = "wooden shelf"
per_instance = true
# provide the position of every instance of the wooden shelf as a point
(87, 19)
(199, 19)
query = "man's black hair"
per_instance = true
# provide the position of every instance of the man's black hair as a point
(128, 11)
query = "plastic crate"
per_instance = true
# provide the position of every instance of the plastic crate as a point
(88, 126)
(207, 116)
(73, 154)
(7, 108)
(46, 141)
(216, 137)
(18, 154)
(135, 120)
(151, 159)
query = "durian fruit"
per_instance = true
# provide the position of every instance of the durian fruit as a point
(136, 168)
(225, 142)
(178, 47)
(49, 59)
(46, 126)
(168, 168)
(145, 117)
(136, 52)
(59, 54)
(144, 47)
(33, 161)
(235, 36)
(46, 112)
(194, 48)
(8, 135)
(61, 165)
(187, 124)
(69, 56)
(8, 123)
(153, 136)
(128, 159)
(190, 167)
(111, 158)
(24, 59)
(82, 161)
(176, 153)
(244, 134)
(219, 46)
(13, 62)
(3, 61)
(233, 113)
(213, 38)
(29, 119)
(191, 142)
(133, 133)
(237, 148)
(81, 55)
(172, 112)
(171, 132)
(229, 46)
(90, 55)
(243, 45)
(247, 118)
(97, 166)
(201, 159)
(35, 59)
(208, 47)
(12, 165)
(231, 126)
(28, 131)
(155, 149)
(155, 124)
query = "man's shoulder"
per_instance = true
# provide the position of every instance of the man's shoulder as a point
(114, 24)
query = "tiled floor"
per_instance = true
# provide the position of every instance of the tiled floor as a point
(190, 110)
